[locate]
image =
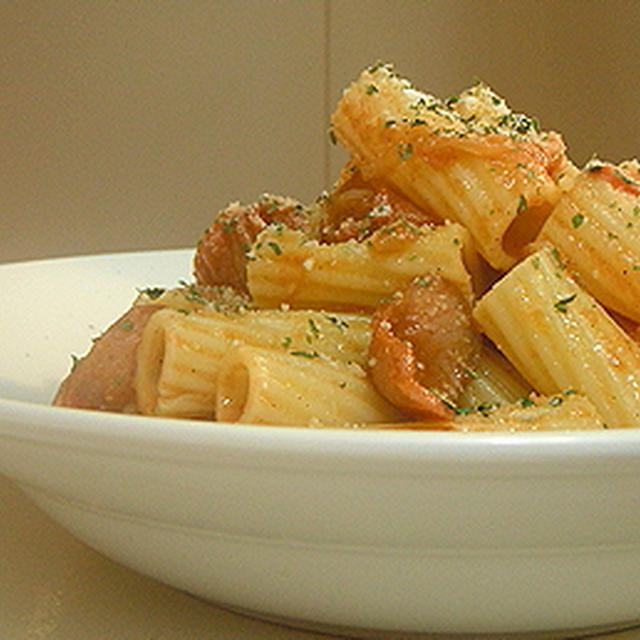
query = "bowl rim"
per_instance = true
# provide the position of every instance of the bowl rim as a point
(460, 453)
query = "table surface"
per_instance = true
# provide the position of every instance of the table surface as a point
(56, 588)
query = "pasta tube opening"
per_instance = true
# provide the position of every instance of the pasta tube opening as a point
(150, 360)
(233, 392)
(524, 229)
(177, 366)
(296, 388)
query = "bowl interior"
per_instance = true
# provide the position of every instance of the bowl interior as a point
(55, 307)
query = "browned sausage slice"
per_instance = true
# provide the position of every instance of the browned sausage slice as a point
(103, 379)
(422, 346)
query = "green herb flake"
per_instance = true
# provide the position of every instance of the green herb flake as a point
(577, 220)
(556, 256)
(126, 325)
(192, 294)
(275, 247)
(443, 398)
(338, 322)
(486, 408)
(563, 304)
(622, 177)
(405, 150)
(152, 292)
(314, 328)
(463, 411)
(526, 402)
(522, 204)
(423, 281)
(229, 225)
(371, 89)
(305, 354)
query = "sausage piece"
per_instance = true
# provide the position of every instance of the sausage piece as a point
(422, 347)
(221, 255)
(104, 378)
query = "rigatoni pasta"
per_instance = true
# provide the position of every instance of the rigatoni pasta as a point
(462, 274)
(287, 269)
(468, 158)
(596, 228)
(180, 355)
(559, 337)
(493, 381)
(267, 386)
(567, 411)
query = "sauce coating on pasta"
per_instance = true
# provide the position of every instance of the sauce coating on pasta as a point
(461, 274)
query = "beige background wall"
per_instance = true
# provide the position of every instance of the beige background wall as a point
(126, 125)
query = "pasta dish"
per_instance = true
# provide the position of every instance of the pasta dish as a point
(461, 274)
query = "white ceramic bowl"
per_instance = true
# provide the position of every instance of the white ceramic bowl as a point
(379, 531)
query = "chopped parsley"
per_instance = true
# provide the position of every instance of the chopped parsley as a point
(338, 322)
(405, 150)
(622, 177)
(192, 294)
(563, 303)
(522, 204)
(314, 328)
(152, 292)
(228, 225)
(556, 256)
(74, 361)
(275, 247)
(486, 408)
(577, 220)
(444, 399)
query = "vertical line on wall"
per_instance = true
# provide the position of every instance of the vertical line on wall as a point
(327, 90)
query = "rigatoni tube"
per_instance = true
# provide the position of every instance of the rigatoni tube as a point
(353, 275)
(596, 228)
(297, 388)
(179, 356)
(559, 337)
(468, 159)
